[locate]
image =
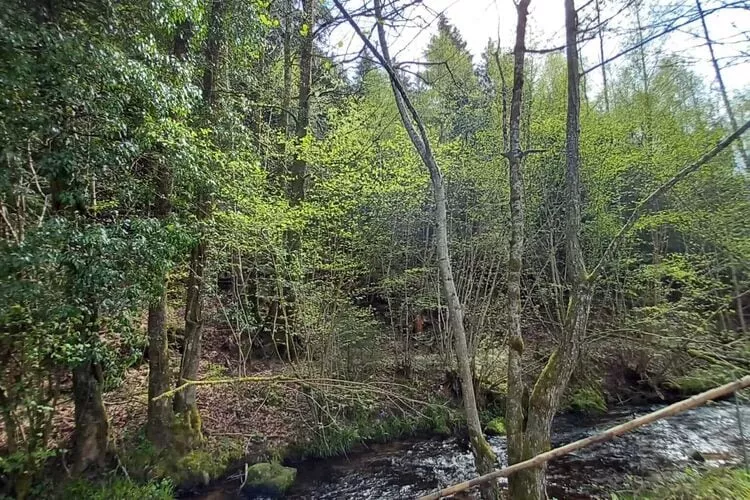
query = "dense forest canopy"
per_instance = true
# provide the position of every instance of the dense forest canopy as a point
(212, 190)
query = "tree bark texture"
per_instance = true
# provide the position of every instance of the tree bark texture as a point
(552, 381)
(185, 404)
(91, 433)
(514, 408)
(299, 166)
(160, 413)
(484, 457)
(605, 89)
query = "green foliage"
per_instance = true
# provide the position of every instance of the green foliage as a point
(589, 400)
(381, 426)
(104, 128)
(204, 462)
(21, 469)
(344, 337)
(270, 477)
(453, 87)
(697, 485)
(117, 488)
(496, 426)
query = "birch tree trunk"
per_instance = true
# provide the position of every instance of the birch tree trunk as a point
(551, 383)
(722, 87)
(484, 457)
(605, 89)
(520, 482)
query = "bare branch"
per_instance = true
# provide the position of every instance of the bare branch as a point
(682, 174)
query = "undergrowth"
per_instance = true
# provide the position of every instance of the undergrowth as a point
(716, 484)
(702, 379)
(340, 437)
(117, 488)
(588, 400)
(202, 464)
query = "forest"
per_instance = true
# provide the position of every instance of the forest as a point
(272, 248)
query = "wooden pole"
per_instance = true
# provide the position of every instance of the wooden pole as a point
(610, 433)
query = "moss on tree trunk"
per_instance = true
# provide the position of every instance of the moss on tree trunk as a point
(187, 432)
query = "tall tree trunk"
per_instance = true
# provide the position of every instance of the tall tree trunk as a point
(552, 381)
(299, 166)
(91, 433)
(484, 457)
(286, 97)
(601, 56)
(722, 87)
(518, 483)
(185, 404)
(648, 118)
(7, 408)
(298, 171)
(160, 413)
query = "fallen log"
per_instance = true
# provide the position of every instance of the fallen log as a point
(610, 433)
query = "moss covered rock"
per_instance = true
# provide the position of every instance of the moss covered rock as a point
(588, 400)
(495, 427)
(269, 478)
(701, 379)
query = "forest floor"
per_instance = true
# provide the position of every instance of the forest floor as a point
(267, 420)
(250, 412)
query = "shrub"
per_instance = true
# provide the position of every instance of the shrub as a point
(118, 489)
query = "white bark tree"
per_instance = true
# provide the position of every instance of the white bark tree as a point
(484, 457)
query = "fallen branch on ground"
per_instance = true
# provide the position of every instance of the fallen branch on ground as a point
(220, 381)
(610, 433)
(351, 385)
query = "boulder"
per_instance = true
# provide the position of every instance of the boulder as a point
(269, 478)
(495, 427)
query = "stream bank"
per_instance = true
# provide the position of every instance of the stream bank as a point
(706, 437)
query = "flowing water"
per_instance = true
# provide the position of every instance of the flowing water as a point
(407, 469)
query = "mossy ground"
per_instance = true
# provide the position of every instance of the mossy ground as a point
(589, 399)
(702, 379)
(495, 427)
(713, 484)
(269, 477)
(205, 462)
(337, 439)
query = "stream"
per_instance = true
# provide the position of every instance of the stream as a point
(409, 468)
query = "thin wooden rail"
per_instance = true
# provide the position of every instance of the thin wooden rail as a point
(610, 433)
